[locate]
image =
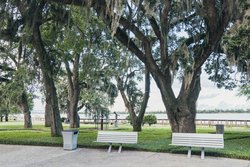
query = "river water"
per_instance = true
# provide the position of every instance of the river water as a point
(209, 116)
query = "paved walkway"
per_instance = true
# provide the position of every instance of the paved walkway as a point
(37, 156)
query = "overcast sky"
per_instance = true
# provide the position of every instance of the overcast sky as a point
(210, 98)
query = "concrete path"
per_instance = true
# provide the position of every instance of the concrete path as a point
(37, 156)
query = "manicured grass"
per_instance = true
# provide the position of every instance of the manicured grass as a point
(156, 138)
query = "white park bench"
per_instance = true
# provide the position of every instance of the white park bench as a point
(198, 140)
(117, 138)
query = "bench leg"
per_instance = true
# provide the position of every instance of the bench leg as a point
(110, 147)
(202, 153)
(120, 148)
(189, 152)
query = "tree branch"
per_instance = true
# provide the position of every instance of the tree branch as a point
(128, 25)
(124, 39)
(146, 94)
(155, 27)
(185, 19)
(4, 79)
(164, 22)
(152, 21)
(69, 75)
(215, 26)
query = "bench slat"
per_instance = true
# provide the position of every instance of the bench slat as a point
(117, 137)
(198, 135)
(198, 140)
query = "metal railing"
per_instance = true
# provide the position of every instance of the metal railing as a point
(208, 122)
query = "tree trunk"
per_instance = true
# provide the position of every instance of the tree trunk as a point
(27, 120)
(46, 65)
(1, 118)
(181, 111)
(133, 117)
(26, 111)
(102, 117)
(137, 124)
(74, 92)
(6, 117)
(136, 120)
(145, 98)
(47, 115)
(74, 119)
(183, 120)
(73, 112)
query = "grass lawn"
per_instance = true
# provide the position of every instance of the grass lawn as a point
(155, 138)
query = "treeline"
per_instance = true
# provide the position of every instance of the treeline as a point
(225, 111)
(202, 111)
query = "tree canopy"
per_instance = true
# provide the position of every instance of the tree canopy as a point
(172, 38)
(150, 30)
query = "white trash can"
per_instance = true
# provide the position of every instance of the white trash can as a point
(70, 139)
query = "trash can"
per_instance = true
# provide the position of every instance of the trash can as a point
(219, 128)
(70, 139)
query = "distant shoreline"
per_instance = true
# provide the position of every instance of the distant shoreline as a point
(199, 111)
(164, 112)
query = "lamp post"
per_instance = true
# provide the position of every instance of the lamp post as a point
(116, 121)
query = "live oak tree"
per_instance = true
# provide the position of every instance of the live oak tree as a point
(70, 45)
(34, 22)
(134, 99)
(32, 18)
(82, 47)
(24, 20)
(17, 73)
(150, 30)
(129, 71)
(99, 92)
(17, 91)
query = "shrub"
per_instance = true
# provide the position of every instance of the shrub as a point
(150, 119)
(128, 119)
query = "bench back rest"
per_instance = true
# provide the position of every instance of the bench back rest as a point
(117, 137)
(198, 140)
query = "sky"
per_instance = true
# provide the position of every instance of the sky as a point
(210, 98)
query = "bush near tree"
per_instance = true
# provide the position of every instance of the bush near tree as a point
(150, 119)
